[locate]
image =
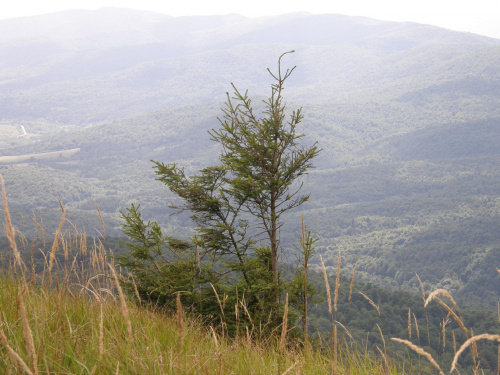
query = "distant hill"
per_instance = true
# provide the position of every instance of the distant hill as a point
(79, 67)
(407, 116)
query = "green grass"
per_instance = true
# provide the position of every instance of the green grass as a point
(66, 330)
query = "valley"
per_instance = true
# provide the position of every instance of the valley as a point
(407, 117)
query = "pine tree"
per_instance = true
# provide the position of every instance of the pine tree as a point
(263, 157)
(237, 206)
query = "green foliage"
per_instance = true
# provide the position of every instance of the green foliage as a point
(264, 159)
(260, 161)
(211, 285)
(162, 266)
(230, 203)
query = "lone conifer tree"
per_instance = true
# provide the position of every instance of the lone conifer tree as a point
(264, 158)
(260, 161)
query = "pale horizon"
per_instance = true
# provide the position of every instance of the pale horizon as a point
(479, 17)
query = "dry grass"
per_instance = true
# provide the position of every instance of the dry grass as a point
(439, 292)
(55, 245)
(409, 324)
(420, 351)
(28, 335)
(284, 326)
(101, 334)
(452, 313)
(351, 287)
(102, 220)
(330, 311)
(123, 304)
(335, 301)
(384, 357)
(221, 307)
(11, 233)
(78, 330)
(78, 335)
(421, 286)
(16, 358)
(472, 341)
(327, 286)
(180, 319)
(416, 328)
(337, 285)
(371, 302)
(382, 337)
(345, 330)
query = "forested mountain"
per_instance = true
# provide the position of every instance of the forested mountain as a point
(407, 117)
(85, 66)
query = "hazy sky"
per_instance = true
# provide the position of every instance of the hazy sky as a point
(478, 16)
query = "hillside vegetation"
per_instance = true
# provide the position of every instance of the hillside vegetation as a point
(407, 117)
(64, 310)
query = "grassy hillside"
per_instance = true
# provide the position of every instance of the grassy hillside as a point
(67, 314)
(70, 315)
(74, 332)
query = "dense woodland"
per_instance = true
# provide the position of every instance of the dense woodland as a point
(407, 117)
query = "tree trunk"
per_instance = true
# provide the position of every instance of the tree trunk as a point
(304, 317)
(274, 248)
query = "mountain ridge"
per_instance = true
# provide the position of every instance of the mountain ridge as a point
(364, 53)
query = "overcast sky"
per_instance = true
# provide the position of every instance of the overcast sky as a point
(477, 16)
